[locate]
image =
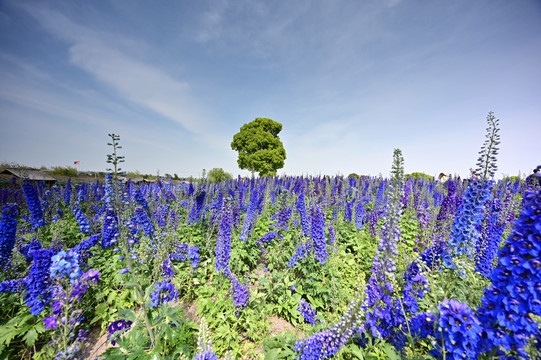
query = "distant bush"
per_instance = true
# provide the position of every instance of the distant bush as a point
(218, 175)
(5, 165)
(64, 171)
(353, 175)
(133, 174)
(418, 175)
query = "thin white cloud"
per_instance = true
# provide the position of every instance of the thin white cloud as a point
(136, 81)
(211, 22)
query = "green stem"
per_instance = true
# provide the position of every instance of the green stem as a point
(123, 238)
(443, 344)
(66, 313)
(405, 317)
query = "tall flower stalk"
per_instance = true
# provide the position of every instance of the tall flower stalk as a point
(8, 232)
(223, 244)
(119, 205)
(486, 163)
(510, 304)
(470, 214)
(70, 283)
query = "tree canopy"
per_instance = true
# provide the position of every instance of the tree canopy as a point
(259, 147)
(218, 175)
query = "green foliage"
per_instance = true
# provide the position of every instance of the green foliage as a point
(111, 296)
(217, 175)
(64, 171)
(259, 147)
(19, 327)
(419, 175)
(375, 349)
(134, 174)
(174, 336)
(226, 323)
(275, 289)
(281, 346)
(463, 284)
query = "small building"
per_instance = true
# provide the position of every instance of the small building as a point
(30, 174)
(138, 180)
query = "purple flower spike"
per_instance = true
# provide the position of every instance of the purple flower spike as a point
(50, 322)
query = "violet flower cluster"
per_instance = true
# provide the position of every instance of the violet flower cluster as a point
(82, 248)
(8, 232)
(140, 199)
(66, 264)
(348, 210)
(307, 312)
(110, 228)
(251, 215)
(170, 196)
(223, 244)
(302, 250)
(62, 298)
(27, 249)
(301, 209)
(165, 292)
(423, 325)
(332, 235)
(193, 255)
(488, 243)
(359, 214)
(267, 238)
(327, 343)
(195, 212)
(33, 204)
(184, 252)
(469, 218)
(318, 235)
(241, 293)
(373, 222)
(83, 224)
(284, 214)
(144, 222)
(160, 215)
(67, 192)
(38, 281)
(515, 294)
(459, 328)
(117, 328)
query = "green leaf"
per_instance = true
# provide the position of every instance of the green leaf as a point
(357, 351)
(7, 333)
(390, 352)
(30, 337)
(272, 354)
(111, 297)
(124, 294)
(128, 314)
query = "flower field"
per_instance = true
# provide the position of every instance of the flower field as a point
(352, 268)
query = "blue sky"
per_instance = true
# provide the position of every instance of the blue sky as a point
(349, 80)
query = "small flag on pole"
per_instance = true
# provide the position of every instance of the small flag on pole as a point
(76, 162)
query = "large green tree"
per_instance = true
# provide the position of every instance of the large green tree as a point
(259, 147)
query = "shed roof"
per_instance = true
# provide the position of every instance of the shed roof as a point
(139, 180)
(29, 174)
